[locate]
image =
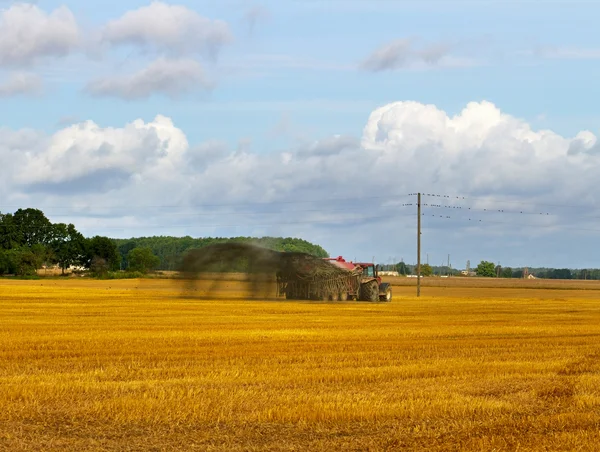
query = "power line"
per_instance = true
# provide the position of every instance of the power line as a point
(498, 201)
(473, 209)
(485, 221)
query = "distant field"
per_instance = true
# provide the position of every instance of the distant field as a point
(132, 365)
(496, 282)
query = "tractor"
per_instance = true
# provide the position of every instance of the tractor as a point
(333, 279)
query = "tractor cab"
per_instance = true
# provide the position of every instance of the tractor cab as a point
(369, 271)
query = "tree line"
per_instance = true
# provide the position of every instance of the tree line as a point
(170, 250)
(29, 240)
(491, 270)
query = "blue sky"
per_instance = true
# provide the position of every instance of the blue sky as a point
(278, 112)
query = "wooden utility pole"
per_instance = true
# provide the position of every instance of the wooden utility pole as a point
(418, 244)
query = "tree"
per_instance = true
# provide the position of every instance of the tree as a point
(22, 261)
(68, 246)
(426, 270)
(486, 269)
(105, 249)
(5, 262)
(560, 273)
(402, 268)
(507, 272)
(142, 260)
(32, 227)
(9, 237)
(124, 249)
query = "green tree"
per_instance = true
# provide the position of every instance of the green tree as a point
(426, 270)
(560, 273)
(68, 245)
(487, 269)
(142, 260)
(23, 261)
(402, 268)
(103, 248)
(507, 272)
(124, 249)
(31, 227)
(5, 263)
(9, 236)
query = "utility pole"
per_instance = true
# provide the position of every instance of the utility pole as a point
(418, 244)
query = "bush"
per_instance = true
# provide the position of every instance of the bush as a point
(142, 260)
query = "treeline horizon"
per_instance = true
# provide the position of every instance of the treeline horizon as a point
(29, 241)
(170, 249)
(491, 270)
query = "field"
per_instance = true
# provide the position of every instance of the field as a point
(133, 365)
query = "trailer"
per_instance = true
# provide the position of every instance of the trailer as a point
(332, 280)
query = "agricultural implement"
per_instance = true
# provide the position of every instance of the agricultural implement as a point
(299, 276)
(332, 279)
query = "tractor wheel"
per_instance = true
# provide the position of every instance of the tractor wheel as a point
(343, 296)
(369, 291)
(387, 297)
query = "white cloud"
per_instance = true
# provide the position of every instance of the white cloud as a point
(478, 151)
(170, 77)
(83, 149)
(403, 54)
(171, 29)
(405, 147)
(28, 34)
(21, 83)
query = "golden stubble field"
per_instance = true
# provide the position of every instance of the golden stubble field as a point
(132, 365)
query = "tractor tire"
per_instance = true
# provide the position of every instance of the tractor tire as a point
(387, 297)
(369, 291)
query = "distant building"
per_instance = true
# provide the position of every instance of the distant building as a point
(386, 273)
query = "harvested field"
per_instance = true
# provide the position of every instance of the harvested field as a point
(133, 365)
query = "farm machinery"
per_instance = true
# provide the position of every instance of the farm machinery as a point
(298, 276)
(332, 279)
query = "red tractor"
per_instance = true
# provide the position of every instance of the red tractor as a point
(332, 279)
(369, 287)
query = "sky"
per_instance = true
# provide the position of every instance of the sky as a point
(312, 119)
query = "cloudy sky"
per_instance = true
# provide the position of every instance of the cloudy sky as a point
(312, 119)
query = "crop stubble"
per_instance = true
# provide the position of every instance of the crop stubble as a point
(132, 365)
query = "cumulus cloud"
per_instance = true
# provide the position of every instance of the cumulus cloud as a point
(83, 149)
(170, 77)
(171, 29)
(28, 34)
(403, 53)
(480, 152)
(21, 83)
